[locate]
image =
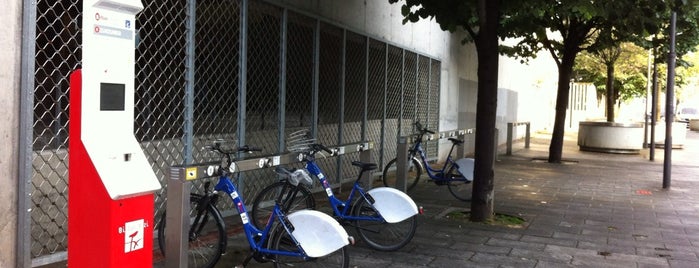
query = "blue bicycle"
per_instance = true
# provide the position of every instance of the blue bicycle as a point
(457, 175)
(307, 236)
(385, 218)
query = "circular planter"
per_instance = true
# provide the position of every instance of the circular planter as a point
(679, 134)
(694, 124)
(610, 137)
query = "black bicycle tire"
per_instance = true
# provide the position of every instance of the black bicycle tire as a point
(220, 229)
(281, 240)
(259, 215)
(460, 194)
(411, 183)
(367, 234)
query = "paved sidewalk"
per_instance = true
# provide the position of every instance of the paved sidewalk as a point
(595, 210)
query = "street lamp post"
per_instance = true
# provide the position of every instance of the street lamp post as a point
(669, 103)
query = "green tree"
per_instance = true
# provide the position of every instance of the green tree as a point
(630, 63)
(687, 39)
(481, 19)
(566, 28)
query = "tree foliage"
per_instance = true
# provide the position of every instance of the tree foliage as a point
(561, 28)
(630, 79)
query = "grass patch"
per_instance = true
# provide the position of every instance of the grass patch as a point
(499, 219)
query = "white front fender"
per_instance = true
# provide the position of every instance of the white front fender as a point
(393, 205)
(466, 167)
(318, 233)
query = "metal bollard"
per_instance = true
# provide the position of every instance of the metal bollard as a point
(365, 156)
(177, 218)
(402, 164)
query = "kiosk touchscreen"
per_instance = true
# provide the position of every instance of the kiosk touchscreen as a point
(110, 181)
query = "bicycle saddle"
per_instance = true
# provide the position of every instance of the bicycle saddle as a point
(364, 166)
(456, 141)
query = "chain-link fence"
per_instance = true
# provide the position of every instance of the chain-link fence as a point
(255, 76)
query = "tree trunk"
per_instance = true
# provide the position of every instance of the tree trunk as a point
(611, 94)
(565, 70)
(486, 108)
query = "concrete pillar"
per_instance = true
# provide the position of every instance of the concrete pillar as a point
(10, 45)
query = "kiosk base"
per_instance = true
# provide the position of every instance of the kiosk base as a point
(102, 232)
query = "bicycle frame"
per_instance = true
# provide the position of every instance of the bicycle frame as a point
(256, 238)
(335, 202)
(432, 173)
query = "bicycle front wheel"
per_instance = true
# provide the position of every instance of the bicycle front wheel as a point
(207, 236)
(282, 241)
(381, 235)
(293, 198)
(412, 177)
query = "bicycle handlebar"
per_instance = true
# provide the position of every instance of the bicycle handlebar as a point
(422, 130)
(216, 147)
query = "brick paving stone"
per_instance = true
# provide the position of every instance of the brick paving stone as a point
(606, 247)
(601, 262)
(638, 259)
(542, 255)
(682, 264)
(515, 244)
(670, 253)
(503, 261)
(548, 264)
(548, 240)
(481, 248)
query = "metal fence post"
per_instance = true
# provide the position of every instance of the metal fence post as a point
(26, 123)
(527, 135)
(509, 139)
(177, 219)
(384, 108)
(316, 79)
(402, 163)
(283, 29)
(365, 156)
(461, 150)
(497, 142)
(190, 62)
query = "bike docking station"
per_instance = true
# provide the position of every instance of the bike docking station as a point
(111, 183)
(179, 188)
(465, 164)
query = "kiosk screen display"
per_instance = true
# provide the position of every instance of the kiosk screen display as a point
(112, 97)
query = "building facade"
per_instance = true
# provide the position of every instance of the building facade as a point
(251, 71)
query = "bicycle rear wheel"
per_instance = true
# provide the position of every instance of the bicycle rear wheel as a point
(413, 176)
(458, 187)
(381, 235)
(281, 240)
(207, 236)
(293, 198)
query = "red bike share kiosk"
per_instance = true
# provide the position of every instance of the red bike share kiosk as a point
(110, 182)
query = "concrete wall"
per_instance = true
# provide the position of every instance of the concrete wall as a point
(526, 91)
(10, 34)
(381, 20)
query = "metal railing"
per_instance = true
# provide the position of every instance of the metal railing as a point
(179, 188)
(510, 135)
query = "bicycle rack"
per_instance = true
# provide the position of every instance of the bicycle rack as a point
(510, 137)
(178, 190)
(402, 151)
